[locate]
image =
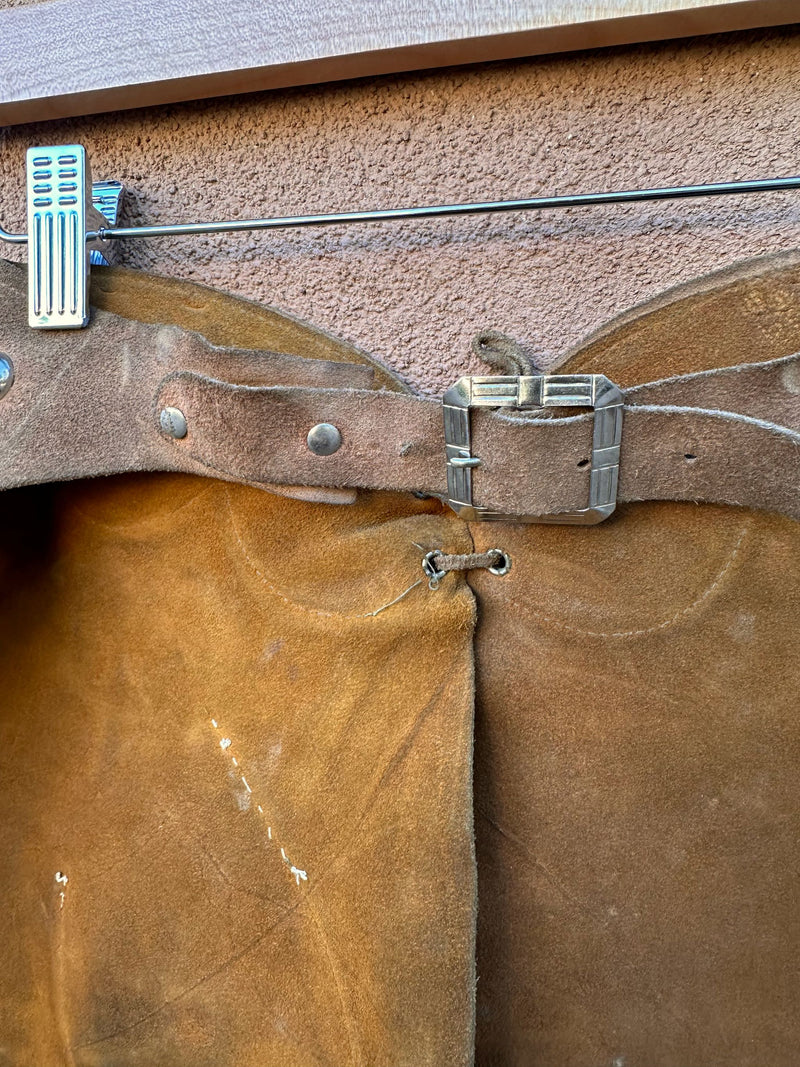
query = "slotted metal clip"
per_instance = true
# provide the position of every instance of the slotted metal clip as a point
(63, 208)
(534, 391)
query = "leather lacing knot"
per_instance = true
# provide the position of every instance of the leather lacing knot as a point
(437, 564)
(503, 354)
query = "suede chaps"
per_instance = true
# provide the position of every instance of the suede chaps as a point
(272, 799)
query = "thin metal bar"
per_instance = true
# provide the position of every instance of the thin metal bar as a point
(13, 238)
(437, 211)
(543, 203)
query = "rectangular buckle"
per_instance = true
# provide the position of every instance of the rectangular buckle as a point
(535, 391)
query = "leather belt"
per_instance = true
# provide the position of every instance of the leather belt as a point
(674, 447)
(89, 404)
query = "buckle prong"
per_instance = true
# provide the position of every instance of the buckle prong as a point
(534, 391)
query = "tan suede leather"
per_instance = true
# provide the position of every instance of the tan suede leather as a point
(637, 750)
(635, 766)
(232, 832)
(224, 320)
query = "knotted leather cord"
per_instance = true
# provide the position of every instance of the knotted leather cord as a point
(470, 561)
(437, 564)
(503, 354)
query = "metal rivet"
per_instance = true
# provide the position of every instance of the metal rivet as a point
(503, 565)
(173, 422)
(324, 439)
(6, 375)
(434, 575)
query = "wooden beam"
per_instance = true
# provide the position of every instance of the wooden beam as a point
(70, 57)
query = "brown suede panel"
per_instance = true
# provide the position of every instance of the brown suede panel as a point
(637, 749)
(235, 734)
(749, 311)
(225, 320)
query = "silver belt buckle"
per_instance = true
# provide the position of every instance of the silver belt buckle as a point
(535, 391)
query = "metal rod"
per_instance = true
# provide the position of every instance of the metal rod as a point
(542, 203)
(13, 238)
(679, 192)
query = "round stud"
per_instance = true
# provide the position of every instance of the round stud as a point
(324, 439)
(173, 422)
(6, 374)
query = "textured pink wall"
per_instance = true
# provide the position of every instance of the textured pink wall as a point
(414, 294)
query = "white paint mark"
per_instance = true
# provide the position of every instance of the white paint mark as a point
(274, 648)
(61, 879)
(743, 627)
(243, 801)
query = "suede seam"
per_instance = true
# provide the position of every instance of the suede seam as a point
(677, 617)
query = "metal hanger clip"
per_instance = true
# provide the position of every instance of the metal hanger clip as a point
(72, 224)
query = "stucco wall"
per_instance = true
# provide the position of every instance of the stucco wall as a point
(710, 108)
